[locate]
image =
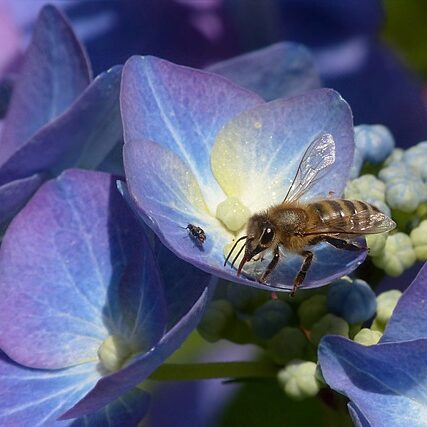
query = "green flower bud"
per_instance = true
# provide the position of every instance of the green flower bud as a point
(329, 325)
(270, 318)
(376, 243)
(218, 317)
(319, 376)
(298, 379)
(395, 156)
(416, 158)
(386, 303)
(364, 187)
(397, 256)
(419, 240)
(367, 337)
(288, 344)
(246, 299)
(311, 310)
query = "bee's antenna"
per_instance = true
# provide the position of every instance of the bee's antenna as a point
(238, 253)
(232, 249)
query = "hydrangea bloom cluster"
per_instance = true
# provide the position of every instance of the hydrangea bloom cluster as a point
(102, 276)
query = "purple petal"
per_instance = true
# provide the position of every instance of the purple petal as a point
(15, 194)
(55, 71)
(183, 283)
(282, 69)
(256, 155)
(38, 397)
(33, 397)
(61, 261)
(358, 418)
(181, 109)
(328, 264)
(166, 195)
(128, 410)
(137, 301)
(409, 319)
(82, 136)
(387, 382)
(112, 386)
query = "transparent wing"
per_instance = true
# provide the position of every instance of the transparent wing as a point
(361, 222)
(313, 166)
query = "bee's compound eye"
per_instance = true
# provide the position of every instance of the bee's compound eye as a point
(267, 236)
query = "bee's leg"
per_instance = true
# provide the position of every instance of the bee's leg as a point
(308, 257)
(271, 266)
(343, 244)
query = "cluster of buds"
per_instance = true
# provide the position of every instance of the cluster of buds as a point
(397, 185)
(290, 329)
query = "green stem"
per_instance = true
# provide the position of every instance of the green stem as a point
(203, 371)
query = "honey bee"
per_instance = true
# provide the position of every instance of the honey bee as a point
(197, 233)
(296, 225)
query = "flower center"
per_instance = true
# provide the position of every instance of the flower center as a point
(113, 352)
(232, 213)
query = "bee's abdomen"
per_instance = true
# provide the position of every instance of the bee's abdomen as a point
(328, 210)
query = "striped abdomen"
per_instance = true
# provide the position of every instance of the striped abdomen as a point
(352, 216)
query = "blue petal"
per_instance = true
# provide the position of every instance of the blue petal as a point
(15, 194)
(87, 132)
(112, 386)
(183, 283)
(33, 397)
(328, 264)
(127, 411)
(168, 197)
(55, 71)
(387, 382)
(409, 319)
(282, 69)
(60, 264)
(137, 301)
(257, 153)
(181, 109)
(358, 418)
(38, 397)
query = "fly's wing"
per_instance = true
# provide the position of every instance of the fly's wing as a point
(365, 221)
(317, 159)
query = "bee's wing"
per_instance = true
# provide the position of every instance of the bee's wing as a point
(361, 222)
(314, 164)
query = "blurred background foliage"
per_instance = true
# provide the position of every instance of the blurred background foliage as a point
(406, 30)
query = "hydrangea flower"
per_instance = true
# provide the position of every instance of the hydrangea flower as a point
(201, 150)
(385, 382)
(57, 117)
(89, 309)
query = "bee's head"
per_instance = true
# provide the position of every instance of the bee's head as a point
(260, 236)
